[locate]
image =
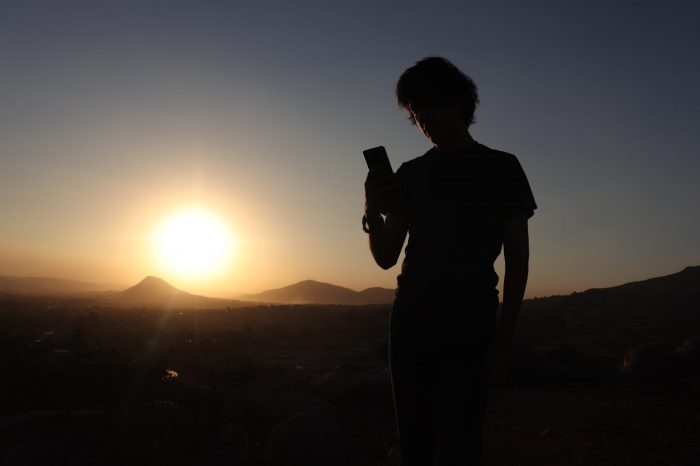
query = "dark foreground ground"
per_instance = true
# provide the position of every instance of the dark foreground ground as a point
(305, 385)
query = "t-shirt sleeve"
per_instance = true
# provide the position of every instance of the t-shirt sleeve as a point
(403, 208)
(517, 195)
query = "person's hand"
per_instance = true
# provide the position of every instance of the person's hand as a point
(382, 193)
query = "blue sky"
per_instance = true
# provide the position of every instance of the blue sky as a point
(113, 114)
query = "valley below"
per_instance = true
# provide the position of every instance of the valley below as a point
(604, 377)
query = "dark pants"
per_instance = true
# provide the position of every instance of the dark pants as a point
(439, 378)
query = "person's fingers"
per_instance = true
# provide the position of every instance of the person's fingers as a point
(384, 192)
(380, 180)
(385, 183)
(384, 203)
(372, 177)
(382, 187)
(383, 200)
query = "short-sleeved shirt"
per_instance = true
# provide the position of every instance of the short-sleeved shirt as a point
(456, 206)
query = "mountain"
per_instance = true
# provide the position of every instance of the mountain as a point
(51, 286)
(152, 290)
(687, 281)
(376, 295)
(669, 301)
(612, 301)
(156, 292)
(313, 292)
(675, 288)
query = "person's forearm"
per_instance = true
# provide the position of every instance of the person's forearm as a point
(514, 284)
(375, 223)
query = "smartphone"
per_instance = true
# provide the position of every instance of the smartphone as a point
(378, 161)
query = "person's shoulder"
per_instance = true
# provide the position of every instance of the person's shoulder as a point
(498, 155)
(416, 163)
(502, 162)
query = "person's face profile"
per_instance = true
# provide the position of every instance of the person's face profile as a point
(438, 122)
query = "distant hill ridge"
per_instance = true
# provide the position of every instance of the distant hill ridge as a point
(53, 286)
(151, 288)
(156, 292)
(153, 291)
(685, 281)
(314, 292)
(655, 305)
(680, 290)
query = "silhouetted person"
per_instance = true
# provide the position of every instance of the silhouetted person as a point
(459, 203)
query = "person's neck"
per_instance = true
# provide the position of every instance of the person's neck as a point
(456, 145)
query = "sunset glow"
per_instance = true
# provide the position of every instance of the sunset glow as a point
(117, 120)
(193, 243)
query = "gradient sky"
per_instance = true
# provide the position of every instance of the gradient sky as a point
(115, 114)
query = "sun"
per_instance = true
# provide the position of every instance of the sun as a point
(193, 243)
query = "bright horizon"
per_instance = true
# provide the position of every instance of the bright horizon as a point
(117, 119)
(183, 284)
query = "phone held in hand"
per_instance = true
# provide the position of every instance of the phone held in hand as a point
(379, 165)
(378, 161)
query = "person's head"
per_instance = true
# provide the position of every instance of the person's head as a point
(439, 98)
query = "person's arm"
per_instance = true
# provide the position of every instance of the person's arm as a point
(516, 251)
(386, 241)
(386, 237)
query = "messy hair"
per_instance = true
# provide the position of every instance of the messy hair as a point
(435, 80)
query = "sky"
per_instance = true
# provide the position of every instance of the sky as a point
(116, 115)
